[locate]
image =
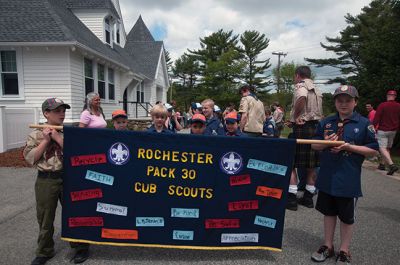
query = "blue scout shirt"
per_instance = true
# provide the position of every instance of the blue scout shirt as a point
(269, 127)
(152, 129)
(340, 174)
(214, 127)
(237, 133)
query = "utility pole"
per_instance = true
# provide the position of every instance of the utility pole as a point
(280, 53)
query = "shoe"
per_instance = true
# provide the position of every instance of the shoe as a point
(307, 200)
(322, 254)
(81, 256)
(381, 167)
(343, 258)
(40, 260)
(291, 203)
(392, 168)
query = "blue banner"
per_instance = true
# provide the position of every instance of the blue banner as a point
(178, 191)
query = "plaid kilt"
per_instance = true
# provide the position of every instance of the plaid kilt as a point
(305, 156)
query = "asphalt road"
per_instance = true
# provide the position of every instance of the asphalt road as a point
(376, 239)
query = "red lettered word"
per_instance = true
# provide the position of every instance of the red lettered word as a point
(85, 221)
(240, 180)
(242, 205)
(88, 160)
(119, 233)
(269, 192)
(86, 194)
(222, 223)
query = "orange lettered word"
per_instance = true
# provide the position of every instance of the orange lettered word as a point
(269, 192)
(119, 233)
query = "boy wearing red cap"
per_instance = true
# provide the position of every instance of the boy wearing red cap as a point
(387, 120)
(231, 124)
(198, 124)
(120, 119)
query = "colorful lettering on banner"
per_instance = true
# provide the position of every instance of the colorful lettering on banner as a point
(265, 221)
(119, 233)
(99, 177)
(239, 238)
(222, 223)
(240, 180)
(185, 213)
(267, 167)
(85, 221)
(88, 160)
(86, 194)
(149, 221)
(112, 209)
(243, 205)
(182, 235)
(269, 192)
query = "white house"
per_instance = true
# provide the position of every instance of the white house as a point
(67, 48)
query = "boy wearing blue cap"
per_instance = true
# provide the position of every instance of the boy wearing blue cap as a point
(339, 178)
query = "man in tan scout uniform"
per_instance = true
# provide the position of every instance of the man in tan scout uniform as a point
(252, 112)
(44, 149)
(304, 117)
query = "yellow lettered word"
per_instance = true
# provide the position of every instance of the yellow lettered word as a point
(188, 174)
(145, 187)
(175, 156)
(193, 192)
(162, 172)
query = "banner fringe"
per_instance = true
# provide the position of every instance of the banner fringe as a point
(171, 246)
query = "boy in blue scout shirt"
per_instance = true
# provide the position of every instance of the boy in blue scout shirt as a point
(159, 116)
(269, 128)
(44, 150)
(120, 120)
(198, 124)
(231, 124)
(213, 125)
(339, 178)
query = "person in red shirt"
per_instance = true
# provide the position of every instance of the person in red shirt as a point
(371, 112)
(387, 120)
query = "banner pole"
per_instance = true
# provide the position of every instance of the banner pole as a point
(42, 126)
(325, 142)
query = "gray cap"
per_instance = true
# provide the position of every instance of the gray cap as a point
(348, 90)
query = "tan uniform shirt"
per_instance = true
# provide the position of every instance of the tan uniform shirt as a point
(255, 114)
(52, 158)
(313, 109)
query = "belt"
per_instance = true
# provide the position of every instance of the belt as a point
(51, 174)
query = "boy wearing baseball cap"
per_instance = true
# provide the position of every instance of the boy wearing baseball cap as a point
(339, 178)
(120, 119)
(198, 124)
(44, 150)
(231, 125)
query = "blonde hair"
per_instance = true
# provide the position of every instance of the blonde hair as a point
(159, 109)
(208, 101)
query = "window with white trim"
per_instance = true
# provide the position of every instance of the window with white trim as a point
(89, 79)
(101, 81)
(111, 85)
(107, 30)
(117, 33)
(9, 73)
(140, 93)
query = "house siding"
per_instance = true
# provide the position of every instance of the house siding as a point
(93, 20)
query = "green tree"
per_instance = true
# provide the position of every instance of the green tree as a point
(286, 75)
(253, 44)
(368, 50)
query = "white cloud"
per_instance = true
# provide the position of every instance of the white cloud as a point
(293, 26)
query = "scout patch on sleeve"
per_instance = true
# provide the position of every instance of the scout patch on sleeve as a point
(371, 129)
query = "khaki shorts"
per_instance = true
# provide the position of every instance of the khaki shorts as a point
(385, 139)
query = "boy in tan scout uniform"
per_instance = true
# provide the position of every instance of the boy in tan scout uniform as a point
(252, 112)
(44, 150)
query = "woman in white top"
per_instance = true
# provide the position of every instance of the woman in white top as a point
(92, 115)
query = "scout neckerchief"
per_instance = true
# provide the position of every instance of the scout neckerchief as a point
(340, 130)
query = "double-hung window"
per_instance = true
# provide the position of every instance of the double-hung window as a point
(9, 74)
(101, 81)
(89, 79)
(111, 85)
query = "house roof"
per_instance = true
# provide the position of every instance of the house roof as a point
(143, 49)
(52, 21)
(92, 4)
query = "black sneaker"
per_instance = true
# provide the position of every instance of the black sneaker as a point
(291, 203)
(322, 254)
(307, 200)
(81, 256)
(381, 167)
(392, 168)
(40, 260)
(343, 258)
